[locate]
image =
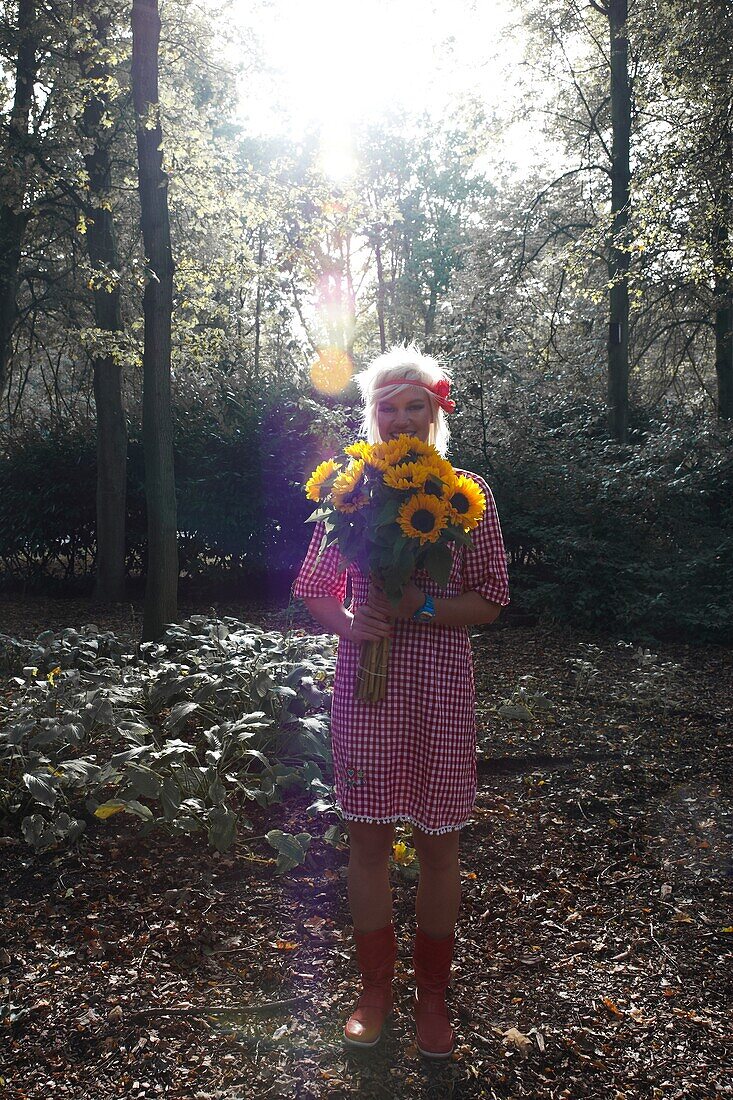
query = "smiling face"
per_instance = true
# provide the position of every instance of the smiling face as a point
(408, 412)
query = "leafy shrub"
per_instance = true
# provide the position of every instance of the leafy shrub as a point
(181, 734)
(635, 539)
(240, 471)
(47, 509)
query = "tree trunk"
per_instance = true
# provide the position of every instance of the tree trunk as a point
(618, 260)
(13, 218)
(380, 288)
(258, 301)
(430, 311)
(162, 574)
(723, 285)
(102, 245)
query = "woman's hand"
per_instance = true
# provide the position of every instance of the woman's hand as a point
(412, 599)
(369, 624)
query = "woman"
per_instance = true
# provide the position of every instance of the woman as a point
(412, 756)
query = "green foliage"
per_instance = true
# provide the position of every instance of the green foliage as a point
(47, 514)
(636, 540)
(181, 734)
(291, 850)
(240, 467)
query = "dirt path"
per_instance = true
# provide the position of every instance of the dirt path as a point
(594, 956)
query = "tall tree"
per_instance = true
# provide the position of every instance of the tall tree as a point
(722, 253)
(162, 567)
(100, 88)
(13, 215)
(594, 122)
(616, 12)
(685, 182)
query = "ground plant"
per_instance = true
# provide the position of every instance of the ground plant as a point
(182, 733)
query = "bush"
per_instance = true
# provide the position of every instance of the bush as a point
(635, 539)
(181, 734)
(240, 472)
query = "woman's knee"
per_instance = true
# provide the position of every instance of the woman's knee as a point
(370, 844)
(437, 852)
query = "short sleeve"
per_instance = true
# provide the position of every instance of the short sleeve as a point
(485, 569)
(320, 576)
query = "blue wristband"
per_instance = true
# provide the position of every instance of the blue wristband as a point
(426, 613)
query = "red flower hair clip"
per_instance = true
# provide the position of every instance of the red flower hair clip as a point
(439, 390)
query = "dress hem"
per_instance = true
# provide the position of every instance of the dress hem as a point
(407, 818)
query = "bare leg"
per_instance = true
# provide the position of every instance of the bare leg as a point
(370, 893)
(438, 901)
(439, 888)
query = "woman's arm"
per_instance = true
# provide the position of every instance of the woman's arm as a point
(367, 624)
(468, 609)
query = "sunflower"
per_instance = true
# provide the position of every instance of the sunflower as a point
(321, 474)
(384, 455)
(420, 449)
(423, 517)
(408, 475)
(441, 476)
(361, 449)
(466, 504)
(348, 493)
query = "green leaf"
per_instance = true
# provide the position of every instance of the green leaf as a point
(179, 715)
(257, 755)
(516, 712)
(79, 771)
(291, 849)
(170, 798)
(217, 793)
(334, 836)
(438, 563)
(460, 536)
(388, 511)
(222, 828)
(143, 780)
(42, 787)
(135, 731)
(134, 807)
(32, 827)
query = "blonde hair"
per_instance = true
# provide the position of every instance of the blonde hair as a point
(402, 361)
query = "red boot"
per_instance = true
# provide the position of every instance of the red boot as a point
(433, 960)
(376, 953)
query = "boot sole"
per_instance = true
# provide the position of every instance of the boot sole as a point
(433, 1056)
(356, 1045)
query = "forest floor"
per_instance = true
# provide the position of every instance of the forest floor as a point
(594, 954)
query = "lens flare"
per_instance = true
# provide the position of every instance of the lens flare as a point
(332, 370)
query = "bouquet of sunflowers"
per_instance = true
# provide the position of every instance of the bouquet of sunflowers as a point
(393, 508)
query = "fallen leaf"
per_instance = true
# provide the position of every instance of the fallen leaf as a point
(517, 1039)
(612, 1007)
(107, 809)
(314, 923)
(402, 854)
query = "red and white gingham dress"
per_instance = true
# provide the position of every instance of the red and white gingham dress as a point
(412, 756)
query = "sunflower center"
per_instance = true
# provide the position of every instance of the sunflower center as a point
(460, 503)
(423, 521)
